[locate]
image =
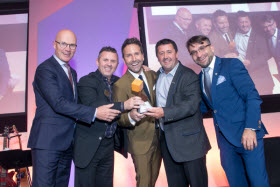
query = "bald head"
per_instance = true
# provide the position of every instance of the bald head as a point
(183, 18)
(63, 40)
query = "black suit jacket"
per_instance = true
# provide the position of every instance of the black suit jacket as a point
(56, 113)
(183, 125)
(91, 90)
(257, 53)
(275, 51)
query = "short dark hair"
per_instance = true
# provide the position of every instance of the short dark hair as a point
(241, 14)
(164, 42)
(267, 18)
(203, 17)
(218, 13)
(108, 49)
(130, 41)
(199, 39)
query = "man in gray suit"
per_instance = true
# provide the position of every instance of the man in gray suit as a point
(184, 142)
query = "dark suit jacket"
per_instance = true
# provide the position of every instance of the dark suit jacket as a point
(221, 46)
(56, 113)
(4, 73)
(91, 90)
(235, 101)
(183, 125)
(275, 52)
(140, 136)
(258, 55)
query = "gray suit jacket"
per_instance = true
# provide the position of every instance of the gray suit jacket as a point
(183, 125)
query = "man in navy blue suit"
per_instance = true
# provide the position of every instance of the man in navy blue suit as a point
(51, 136)
(229, 92)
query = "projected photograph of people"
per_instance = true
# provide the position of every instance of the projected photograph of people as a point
(245, 31)
(13, 59)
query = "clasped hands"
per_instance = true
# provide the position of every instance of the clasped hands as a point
(106, 113)
(156, 112)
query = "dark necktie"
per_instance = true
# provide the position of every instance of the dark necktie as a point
(145, 87)
(207, 83)
(69, 74)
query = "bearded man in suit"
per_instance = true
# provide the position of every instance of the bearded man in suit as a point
(230, 94)
(142, 132)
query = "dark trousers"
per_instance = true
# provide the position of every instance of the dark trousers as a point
(182, 174)
(51, 168)
(243, 168)
(99, 172)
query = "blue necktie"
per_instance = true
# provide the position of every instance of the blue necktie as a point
(207, 83)
(145, 87)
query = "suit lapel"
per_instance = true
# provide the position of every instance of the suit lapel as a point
(251, 45)
(62, 73)
(174, 84)
(74, 75)
(216, 74)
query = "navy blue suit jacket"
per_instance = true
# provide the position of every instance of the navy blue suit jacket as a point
(57, 109)
(235, 101)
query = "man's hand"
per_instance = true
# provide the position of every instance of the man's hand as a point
(249, 139)
(135, 115)
(246, 62)
(133, 102)
(105, 113)
(156, 112)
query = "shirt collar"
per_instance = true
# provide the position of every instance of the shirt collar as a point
(275, 33)
(58, 60)
(172, 72)
(135, 75)
(212, 64)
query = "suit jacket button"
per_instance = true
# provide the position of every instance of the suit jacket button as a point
(100, 138)
(260, 122)
(215, 111)
(217, 124)
(259, 126)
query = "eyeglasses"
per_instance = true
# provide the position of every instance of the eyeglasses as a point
(63, 45)
(200, 49)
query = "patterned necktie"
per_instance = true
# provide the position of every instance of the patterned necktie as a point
(69, 74)
(207, 83)
(145, 87)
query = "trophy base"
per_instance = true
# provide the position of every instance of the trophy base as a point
(143, 108)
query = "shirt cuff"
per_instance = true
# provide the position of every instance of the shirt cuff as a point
(251, 129)
(132, 122)
(122, 106)
(93, 119)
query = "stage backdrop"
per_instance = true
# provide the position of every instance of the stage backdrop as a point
(97, 24)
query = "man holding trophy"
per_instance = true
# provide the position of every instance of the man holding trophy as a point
(142, 132)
